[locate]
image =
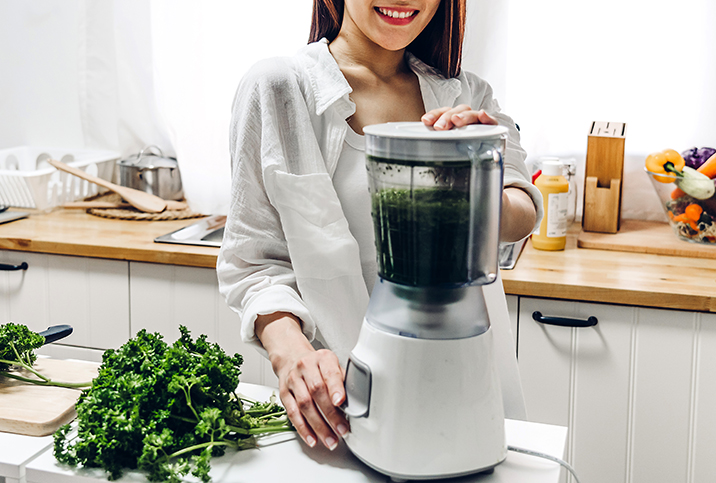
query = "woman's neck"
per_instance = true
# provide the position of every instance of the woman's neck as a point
(355, 51)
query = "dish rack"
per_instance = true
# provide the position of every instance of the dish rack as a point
(27, 180)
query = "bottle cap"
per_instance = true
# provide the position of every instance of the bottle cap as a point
(552, 167)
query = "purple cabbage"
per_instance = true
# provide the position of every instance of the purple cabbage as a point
(695, 157)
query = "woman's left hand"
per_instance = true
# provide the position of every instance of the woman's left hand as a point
(446, 118)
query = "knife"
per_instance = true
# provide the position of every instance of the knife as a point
(56, 332)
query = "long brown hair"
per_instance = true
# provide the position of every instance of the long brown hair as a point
(438, 45)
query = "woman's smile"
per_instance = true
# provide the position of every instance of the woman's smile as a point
(396, 15)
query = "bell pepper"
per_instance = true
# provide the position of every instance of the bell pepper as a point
(668, 161)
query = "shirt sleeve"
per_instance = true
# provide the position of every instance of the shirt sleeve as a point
(516, 173)
(254, 269)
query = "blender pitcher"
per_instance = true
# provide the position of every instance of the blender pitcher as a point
(436, 202)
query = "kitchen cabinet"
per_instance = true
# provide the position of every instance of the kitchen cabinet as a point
(90, 294)
(636, 391)
(108, 301)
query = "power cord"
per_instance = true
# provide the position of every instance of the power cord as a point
(546, 456)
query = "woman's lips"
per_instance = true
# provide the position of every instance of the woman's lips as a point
(396, 16)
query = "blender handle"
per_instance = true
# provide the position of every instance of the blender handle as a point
(564, 321)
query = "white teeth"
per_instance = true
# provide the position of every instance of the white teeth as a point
(394, 14)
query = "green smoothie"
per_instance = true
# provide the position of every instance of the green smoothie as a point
(421, 235)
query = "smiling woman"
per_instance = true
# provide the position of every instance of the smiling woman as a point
(298, 258)
(437, 43)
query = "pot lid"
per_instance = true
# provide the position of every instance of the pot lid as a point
(149, 158)
(418, 130)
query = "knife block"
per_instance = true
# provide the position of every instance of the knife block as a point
(603, 177)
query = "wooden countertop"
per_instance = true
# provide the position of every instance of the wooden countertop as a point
(74, 232)
(614, 277)
(589, 275)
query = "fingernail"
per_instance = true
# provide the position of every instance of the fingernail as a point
(440, 124)
(460, 116)
(331, 443)
(337, 399)
(310, 441)
(428, 117)
(342, 429)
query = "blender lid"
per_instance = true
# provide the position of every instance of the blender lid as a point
(418, 130)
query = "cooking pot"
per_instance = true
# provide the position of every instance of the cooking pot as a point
(152, 172)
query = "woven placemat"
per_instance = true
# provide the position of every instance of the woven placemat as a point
(132, 213)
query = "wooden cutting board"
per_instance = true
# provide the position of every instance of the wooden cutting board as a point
(645, 237)
(35, 410)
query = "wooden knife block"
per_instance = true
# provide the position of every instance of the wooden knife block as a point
(603, 177)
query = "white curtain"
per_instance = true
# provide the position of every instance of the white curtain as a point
(202, 49)
(122, 74)
(77, 73)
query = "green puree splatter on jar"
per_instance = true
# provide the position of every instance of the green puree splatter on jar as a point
(421, 235)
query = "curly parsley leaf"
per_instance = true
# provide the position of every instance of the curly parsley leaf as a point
(165, 409)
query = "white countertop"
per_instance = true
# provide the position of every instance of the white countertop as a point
(284, 457)
(17, 450)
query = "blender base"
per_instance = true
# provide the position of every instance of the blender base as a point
(405, 478)
(428, 408)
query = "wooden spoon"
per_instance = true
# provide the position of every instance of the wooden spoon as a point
(83, 205)
(139, 199)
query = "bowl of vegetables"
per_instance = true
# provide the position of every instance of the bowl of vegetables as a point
(686, 185)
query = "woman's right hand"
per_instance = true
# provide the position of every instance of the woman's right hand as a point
(310, 381)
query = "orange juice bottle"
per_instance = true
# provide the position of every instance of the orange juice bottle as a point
(552, 233)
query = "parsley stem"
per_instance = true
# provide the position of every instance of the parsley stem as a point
(261, 430)
(27, 364)
(45, 381)
(273, 415)
(203, 445)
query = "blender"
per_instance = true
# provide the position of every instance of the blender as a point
(422, 391)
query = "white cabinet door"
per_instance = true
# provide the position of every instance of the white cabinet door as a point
(636, 390)
(90, 294)
(163, 297)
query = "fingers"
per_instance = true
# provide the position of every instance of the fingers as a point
(431, 118)
(472, 117)
(446, 118)
(332, 373)
(294, 414)
(308, 392)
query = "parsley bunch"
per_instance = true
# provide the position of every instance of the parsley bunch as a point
(165, 409)
(17, 346)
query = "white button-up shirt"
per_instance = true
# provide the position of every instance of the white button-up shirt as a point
(287, 246)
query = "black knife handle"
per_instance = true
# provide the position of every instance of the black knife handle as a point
(11, 268)
(56, 332)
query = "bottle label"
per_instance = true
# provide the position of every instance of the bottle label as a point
(557, 208)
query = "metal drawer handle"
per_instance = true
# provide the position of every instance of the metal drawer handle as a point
(564, 321)
(12, 268)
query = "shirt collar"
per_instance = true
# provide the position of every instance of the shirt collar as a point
(437, 90)
(327, 81)
(331, 87)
